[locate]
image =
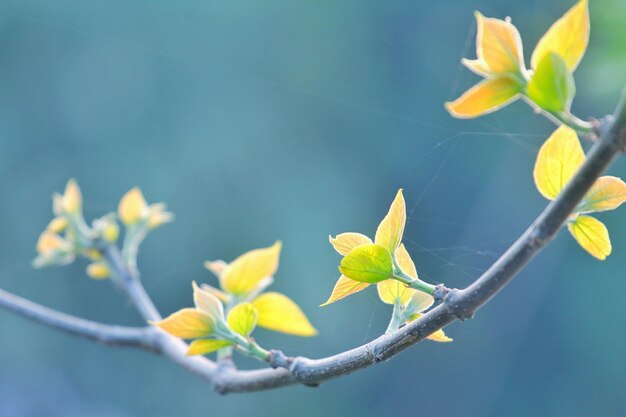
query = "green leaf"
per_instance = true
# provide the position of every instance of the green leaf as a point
(205, 346)
(551, 86)
(367, 263)
(242, 318)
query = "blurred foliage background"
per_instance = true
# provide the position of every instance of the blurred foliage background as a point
(293, 120)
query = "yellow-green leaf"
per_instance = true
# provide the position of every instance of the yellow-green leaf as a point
(367, 263)
(420, 302)
(245, 273)
(607, 193)
(187, 323)
(72, 201)
(391, 228)
(551, 86)
(279, 313)
(133, 207)
(242, 318)
(207, 303)
(206, 346)
(557, 161)
(567, 37)
(498, 45)
(477, 67)
(485, 97)
(220, 295)
(391, 290)
(216, 267)
(343, 288)
(98, 270)
(592, 235)
(345, 242)
(437, 336)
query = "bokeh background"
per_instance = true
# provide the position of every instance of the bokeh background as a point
(292, 120)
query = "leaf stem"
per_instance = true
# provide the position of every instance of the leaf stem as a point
(416, 284)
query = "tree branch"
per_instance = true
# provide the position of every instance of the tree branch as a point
(457, 304)
(102, 333)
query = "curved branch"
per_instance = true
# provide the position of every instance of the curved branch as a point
(102, 333)
(457, 305)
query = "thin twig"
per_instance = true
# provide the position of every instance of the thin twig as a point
(103, 333)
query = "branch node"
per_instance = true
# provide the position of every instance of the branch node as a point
(454, 301)
(440, 292)
(277, 359)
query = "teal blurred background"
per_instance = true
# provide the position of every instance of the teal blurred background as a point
(292, 120)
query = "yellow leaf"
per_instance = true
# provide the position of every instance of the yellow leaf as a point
(437, 336)
(498, 45)
(343, 288)
(98, 270)
(187, 323)
(72, 201)
(477, 66)
(133, 207)
(440, 336)
(216, 267)
(567, 37)
(245, 273)
(206, 346)
(405, 261)
(50, 243)
(607, 193)
(242, 318)
(207, 302)
(557, 161)
(220, 295)
(93, 254)
(592, 235)
(58, 224)
(345, 242)
(111, 232)
(391, 290)
(367, 263)
(157, 216)
(420, 302)
(277, 312)
(485, 97)
(391, 228)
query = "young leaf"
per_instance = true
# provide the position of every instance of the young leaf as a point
(367, 263)
(391, 290)
(133, 207)
(567, 37)
(220, 295)
(187, 323)
(207, 302)
(247, 271)
(343, 288)
(557, 161)
(607, 193)
(345, 242)
(72, 201)
(391, 228)
(206, 346)
(419, 302)
(592, 235)
(485, 97)
(498, 45)
(242, 319)
(551, 86)
(98, 270)
(277, 312)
